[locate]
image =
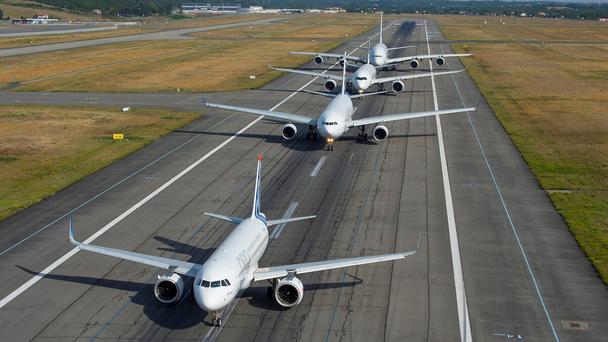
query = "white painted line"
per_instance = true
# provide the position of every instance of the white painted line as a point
(504, 206)
(317, 168)
(461, 297)
(277, 231)
(112, 223)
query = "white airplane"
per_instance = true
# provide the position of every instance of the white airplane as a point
(365, 76)
(379, 55)
(233, 266)
(336, 119)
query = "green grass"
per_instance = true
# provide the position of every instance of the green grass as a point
(69, 144)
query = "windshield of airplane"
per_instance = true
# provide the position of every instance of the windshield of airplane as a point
(214, 283)
(361, 78)
(330, 123)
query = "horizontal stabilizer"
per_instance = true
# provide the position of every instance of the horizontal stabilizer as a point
(230, 219)
(291, 219)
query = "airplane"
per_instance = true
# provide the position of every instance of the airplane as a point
(365, 76)
(233, 266)
(336, 119)
(379, 56)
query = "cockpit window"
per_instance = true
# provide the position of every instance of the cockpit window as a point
(361, 78)
(205, 283)
(224, 282)
(227, 281)
(215, 283)
(330, 123)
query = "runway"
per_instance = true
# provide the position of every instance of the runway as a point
(161, 35)
(522, 272)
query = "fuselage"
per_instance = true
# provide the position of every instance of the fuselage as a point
(230, 267)
(378, 55)
(332, 123)
(364, 77)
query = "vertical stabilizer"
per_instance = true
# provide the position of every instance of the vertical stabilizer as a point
(381, 29)
(369, 50)
(344, 75)
(255, 212)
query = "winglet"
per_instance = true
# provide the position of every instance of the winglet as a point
(71, 234)
(205, 101)
(270, 66)
(260, 158)
(418, 244)
(344, 75)
(256, 211)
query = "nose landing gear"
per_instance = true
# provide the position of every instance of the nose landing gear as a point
(330, 144)
(216, 319)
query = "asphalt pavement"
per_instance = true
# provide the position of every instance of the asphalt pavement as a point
(523, 277)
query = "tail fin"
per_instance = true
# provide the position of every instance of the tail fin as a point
(255, 212)
(381, 29)
(344, 75)
(369, 50)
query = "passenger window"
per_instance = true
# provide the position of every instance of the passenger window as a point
(205, 283)
(224, 283)
(227, 282)
(215, 283)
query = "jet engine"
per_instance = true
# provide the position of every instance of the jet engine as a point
(380, 132)
(440, 61)
(289, 131)
(414, 64)
(398, 86)
(169, 288)
(289, 291)
(318, 59)
(330, 85)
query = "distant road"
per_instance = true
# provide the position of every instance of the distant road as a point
(171, 34)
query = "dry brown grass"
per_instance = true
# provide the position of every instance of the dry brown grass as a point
(44, 149)
(20, 11)
(6, 43)
(507, 28)
(190, 65)
(552, 99)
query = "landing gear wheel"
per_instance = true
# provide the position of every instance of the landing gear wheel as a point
(216, 319)
(308, 136)
(364, 136)
(218, 322)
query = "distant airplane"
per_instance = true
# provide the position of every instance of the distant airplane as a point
(233, 266)
(336, 118)
(365, 76)
(379, 56)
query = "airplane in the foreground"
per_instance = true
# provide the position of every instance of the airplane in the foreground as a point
(336, 119)
(365, 76)
(233, 266)
(378, 56)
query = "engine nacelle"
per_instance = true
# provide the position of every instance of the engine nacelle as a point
(330, 85)
(289, 131)
(414, 64)
(380, 132)
(440, 61)
(398, 86)
(169, 288)
(289, 291)
(318, 59)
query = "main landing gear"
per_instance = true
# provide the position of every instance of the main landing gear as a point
(362, 134)
(216, 319)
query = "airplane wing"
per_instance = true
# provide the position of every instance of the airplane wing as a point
(317, 266)
(278, 116)
(409, 76)
(177, 266)
(409, 58)
(404, 116)
(330, 55)
(309, 73)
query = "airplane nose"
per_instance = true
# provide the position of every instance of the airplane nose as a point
(209, 301)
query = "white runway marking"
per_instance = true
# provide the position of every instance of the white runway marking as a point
(461, 297)
(277, 231)
(317, 168)
(115, 221)
(504, 206)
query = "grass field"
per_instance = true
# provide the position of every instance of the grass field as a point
(44, 149)
(189, 65)
(12, 11)
(552, 99)
(13, 42)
